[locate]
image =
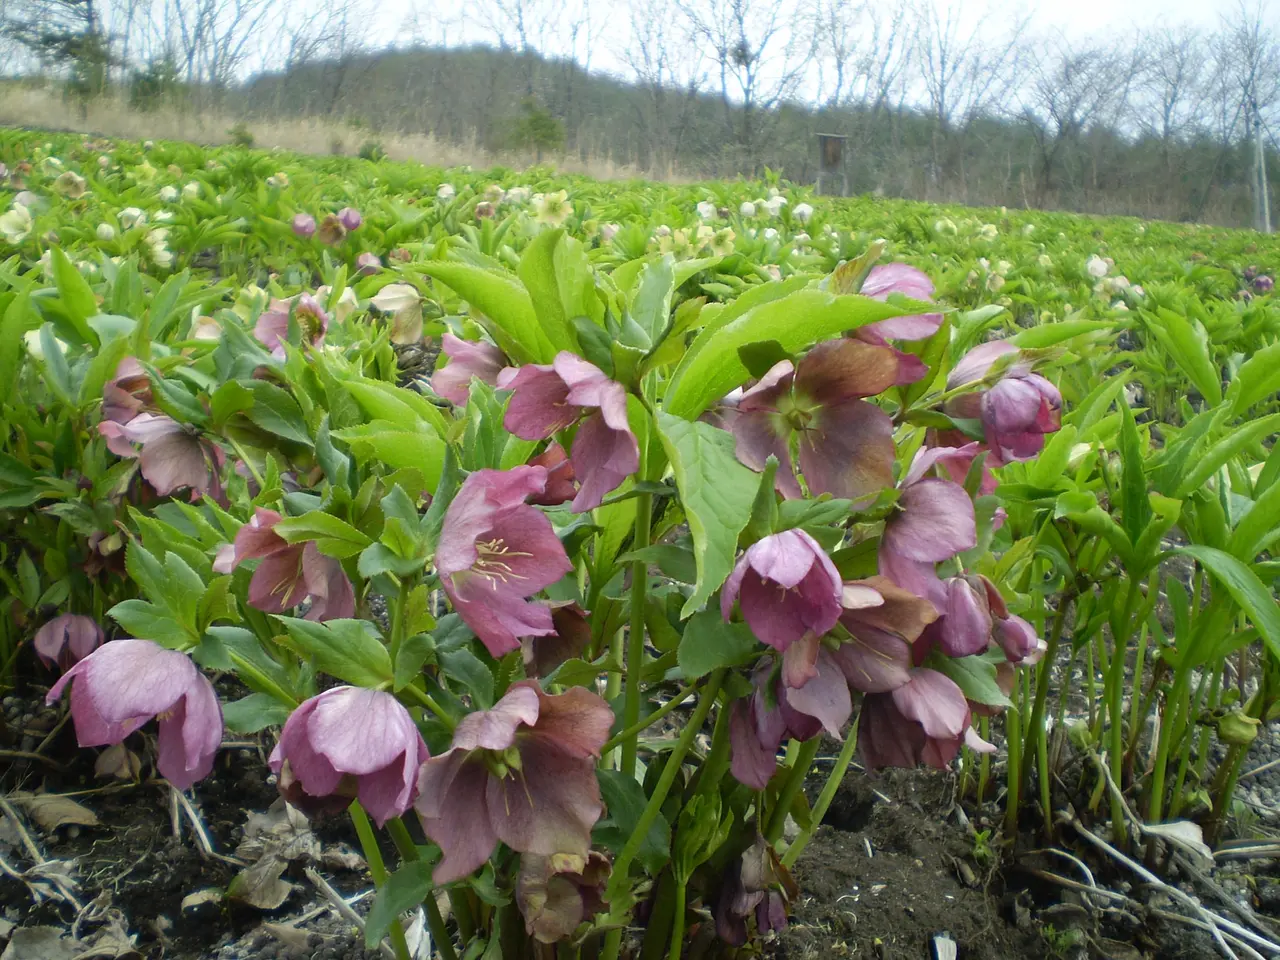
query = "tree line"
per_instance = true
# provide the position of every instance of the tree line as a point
(980, 109)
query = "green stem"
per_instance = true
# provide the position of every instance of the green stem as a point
(1155, 805)
(712, 770)
(635, 634)
(429, 702)
(1035, 724)
(622, 865)
(397, 619)
(1121, 631)
(825, 797)
(794, 783)
(244, 458)
(377, 870)
(435, 922)
(677, 921)
(649, 719)
(1013, 736)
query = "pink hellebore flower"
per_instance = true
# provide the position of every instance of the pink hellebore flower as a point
(350, 743)
(66, 640)
(367, 264)
(522, 773)
(555, 897)
(923, 721)
(561, 483)
(757, 730)
(846, 443)
(883, 621)
(899, 278)
(495, 551)
(548, 398)
(304, 225)
(289, 572)
(273, 325)
(788, 590)
(172, 455)
(126, 394)
(466, 360)
(758, 885)
(124, 683)
(350, 219)
(1016, 411)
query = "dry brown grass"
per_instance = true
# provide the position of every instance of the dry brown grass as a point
(33, 107)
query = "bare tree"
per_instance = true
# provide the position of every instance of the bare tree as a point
(666, 68)
(863, 51)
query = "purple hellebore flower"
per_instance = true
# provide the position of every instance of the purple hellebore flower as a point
(1018, 640)
(923, 721)
(350, 219)
(172, 455)
(289, 572)
(756, 884)
(1263, 284)
(1016, 411)
(124, 683)
(562, 485)
(556, 894)
(883, 621)
(495, 551)
(846, 443)
(126, 394)
(350, 743)
(542, 655)
(273, 325)
(788, 590)
(546, 398)
(907, 280)
(522, 773)
(304, 225)
(367, 264)
(66, 640)
(466, 360)
(757, 729)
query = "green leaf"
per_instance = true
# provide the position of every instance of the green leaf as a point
(57, 373)
(229, 399)
(147, 621)
(397, 447)
(760, 358)
(464, 666)
(18, 319)
(651, 301)
(717, 493)
(1135, 511)
(1257, 379)
(537, 272)
(1257, 526)
(675, 561)
(1232, 445)
(1051, 334)
(333, 537)
(975, 676)
(78, 301)
(347, 649)
(101, 369)
(385, 401)
(1189, 348)
(709, 644)
(625, 800)
(255, 712)
(501, 304)
(414, 654)
(712, 366)
(1245, 588)
(404, 890)
(1082, 509)
(275, 411)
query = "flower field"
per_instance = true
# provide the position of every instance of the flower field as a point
(544, 566)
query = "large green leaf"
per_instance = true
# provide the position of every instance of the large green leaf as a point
(347, 649)
(503, 305)
(1232, 445)
(717, 492)
(333, 537)
(708, 643)
(404, 890)
(398, 447)
(1257, 526)
(712, 367)
(386, 401)
(76, 296)
(275, 411)
(1135, 510)
(1190, 350)
(1257, 379)
(18, 319)
(1245, 588)
(538, 273)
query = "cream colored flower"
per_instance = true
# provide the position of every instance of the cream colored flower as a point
(552, 209)
(131, 217)
(169, 194)
(722, 244)
(403, 304)
(70, 185)
(105, 232)
(15, 225)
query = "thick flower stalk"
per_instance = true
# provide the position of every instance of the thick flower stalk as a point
(347, 744)
(547, 398)
(522, 774)
(495, 552)
(124, 683)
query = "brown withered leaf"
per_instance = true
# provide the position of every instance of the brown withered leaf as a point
(52, 810)
(260, 885)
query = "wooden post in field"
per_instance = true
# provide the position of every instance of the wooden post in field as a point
(831, 163)
(1260, 178)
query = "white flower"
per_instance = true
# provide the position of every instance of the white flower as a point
(1120, 305)
(203, 328)
(70, 185)
(516, 196)
(494, 194)
(1140, 229)
(280, 180)
(1137, 291)
(51, 165)
(662, 231)
(169, 194)
(773, 270)
(157, 239)
(1028, 229)
(747, 209)
(148, 144)
(988, 231)
(16, 224)
(702, 236)
(131, 217)
(347, 303)
(35, 346)
(403, 304)
(945, 226)
(722, 243)
(1096, 267)
(163, 216)
(1044, 260)
(706, 210)
(46, 263)
(445, 192)
(984, 263)
(552, 209)
(994, 282)
(192, 189)
(1003, 267)
(106, 232)
(801, 238)
(104, 161)
(774, 205)
(770, 233)
(802, 212)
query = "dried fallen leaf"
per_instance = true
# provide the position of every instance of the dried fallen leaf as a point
(193, 901)
(283, 832)
(52, 810)
(110, 943)
(6, 928)
(118, 762)
(1186, 835)
(342, 857)
(287, 934)
(260, 885)
(40, 943)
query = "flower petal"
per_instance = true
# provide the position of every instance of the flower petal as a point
(190, 736)
(495, 729)
(934, 701)
(936, 522)
(847, 450)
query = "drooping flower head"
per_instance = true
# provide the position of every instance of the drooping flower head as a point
(367, 264)
(126, 394)
(556, 894)
(923, 721)
(350, 219)
(1016, 412)
(124, 683)
(289, 573)
(66, 640)
(757, 886)
(170, 455)
(901, 278)
(496, 551)
(562, 486)
(551, 397)
(331, 231)
(845, 443)
(349, 743)
(304, 225)
(883, 621)
(522, 773)
(467, 359)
